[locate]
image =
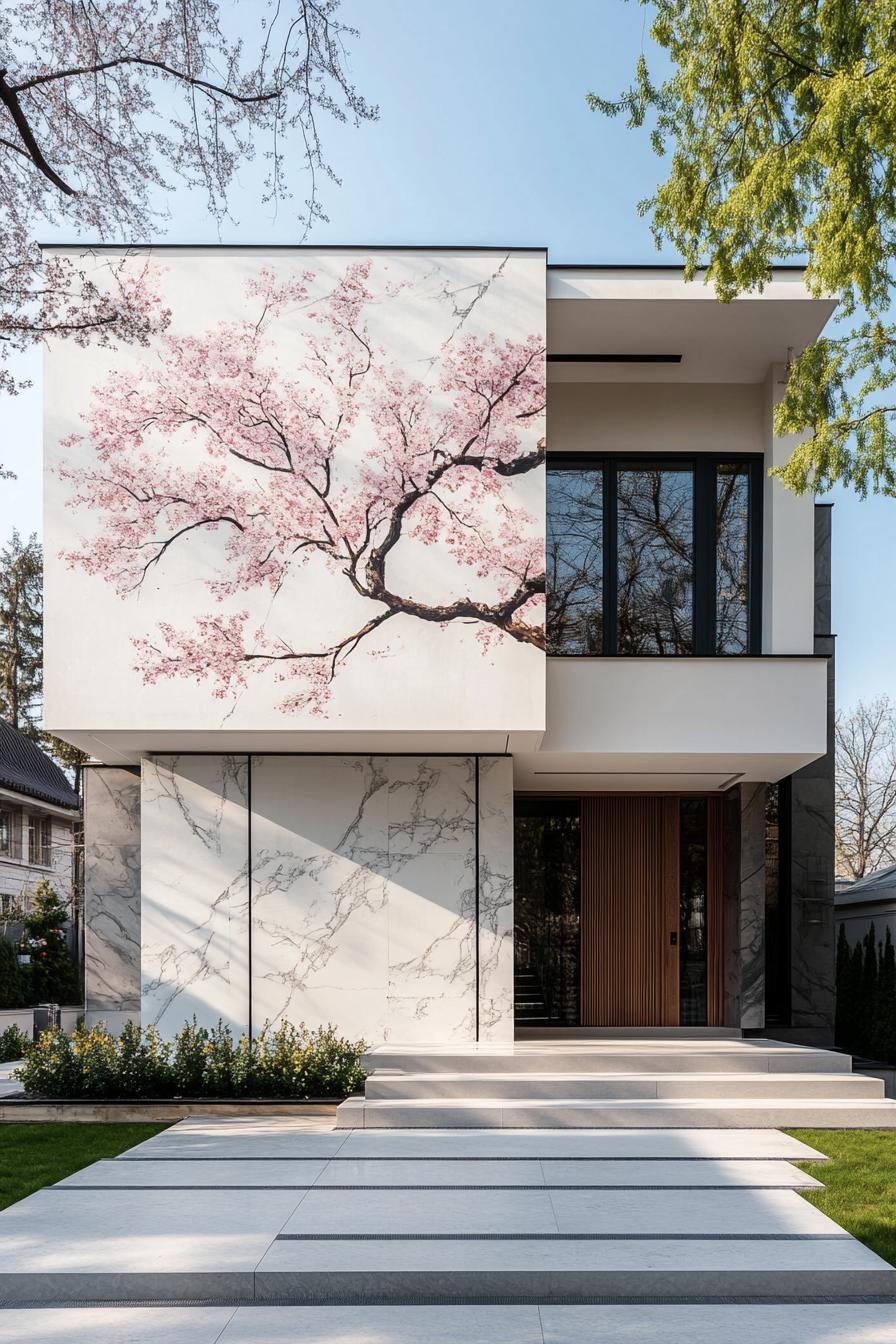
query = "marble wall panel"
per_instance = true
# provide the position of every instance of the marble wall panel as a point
(319, 892)
(111, 892)
(751, 915)
(495, 898)
(195, 891)
(364, 894)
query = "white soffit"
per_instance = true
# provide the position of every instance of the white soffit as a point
(652, 311)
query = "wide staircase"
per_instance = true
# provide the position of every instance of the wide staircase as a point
(706, 1080)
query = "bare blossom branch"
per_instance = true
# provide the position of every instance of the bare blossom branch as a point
(106, 108)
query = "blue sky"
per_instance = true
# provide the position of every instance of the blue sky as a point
(484, 138)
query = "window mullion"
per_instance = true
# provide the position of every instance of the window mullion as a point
(704, 555)
(610, 567)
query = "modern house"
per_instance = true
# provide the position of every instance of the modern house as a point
(453, 665)
(39, 810)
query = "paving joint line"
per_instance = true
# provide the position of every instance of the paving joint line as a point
(285, 1185)
(820, 1299)
(564, 1236)
(439, 1157)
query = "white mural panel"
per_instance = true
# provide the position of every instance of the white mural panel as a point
(314, 499)
(195, 891)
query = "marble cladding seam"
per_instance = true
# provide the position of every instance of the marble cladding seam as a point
(365, 880)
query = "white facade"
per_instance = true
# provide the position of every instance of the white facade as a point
(326, 801)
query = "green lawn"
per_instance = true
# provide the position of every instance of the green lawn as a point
(32, 1156)
(860, 1182)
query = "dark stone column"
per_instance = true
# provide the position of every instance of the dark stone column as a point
(744, 906)
(810, 795)
(112, 894)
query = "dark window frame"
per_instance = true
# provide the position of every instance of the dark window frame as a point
(705, 475)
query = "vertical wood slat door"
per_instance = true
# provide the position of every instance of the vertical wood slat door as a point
(630, 906)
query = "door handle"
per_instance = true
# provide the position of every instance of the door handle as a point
(673, 938)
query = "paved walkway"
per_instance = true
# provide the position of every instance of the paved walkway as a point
(263, 1231)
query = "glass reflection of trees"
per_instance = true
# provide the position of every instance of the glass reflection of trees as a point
(655, 531)
(732, 558)
(546, 908)
(575, 562)
(622, 554)
(692, 941)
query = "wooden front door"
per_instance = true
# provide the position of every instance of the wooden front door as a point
(631, 914)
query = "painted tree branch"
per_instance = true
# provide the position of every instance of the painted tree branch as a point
(287, 489)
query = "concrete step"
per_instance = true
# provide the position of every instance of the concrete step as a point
(396, 1086)
(473, 1269)
(610, 1057)
(576, 1113)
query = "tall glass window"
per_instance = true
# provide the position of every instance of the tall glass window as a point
(732, 558)
(546, 911)
(575, 620)
(653, 557)
(692, 944)
(655, 560)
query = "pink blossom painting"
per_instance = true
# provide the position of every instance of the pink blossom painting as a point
(285, 459)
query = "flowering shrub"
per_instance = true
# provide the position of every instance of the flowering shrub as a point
(287, 1061)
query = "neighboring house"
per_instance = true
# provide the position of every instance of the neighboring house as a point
(451, 658)
(870, 900)
(38, 812)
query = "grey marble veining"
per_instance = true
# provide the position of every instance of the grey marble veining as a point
(364, 890)
(112, 890)
(495, 898)
(751, 922)
(195, 891)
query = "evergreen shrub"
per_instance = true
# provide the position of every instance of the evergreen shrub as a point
(866, 996)
(286, 1061)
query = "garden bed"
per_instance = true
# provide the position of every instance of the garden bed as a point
(119, 1110)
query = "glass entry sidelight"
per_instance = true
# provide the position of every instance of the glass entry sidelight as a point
(546, 911)
(618, 903)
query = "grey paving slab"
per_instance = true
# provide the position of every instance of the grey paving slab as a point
(368, 1171)
(114, 1233)
(643, 1172)
(279, 1173)
(384, 1325)
(403, 1212)
(113, 1325)
(539, 1270)
(689, 1213)
(606, 1143)
(670, 1323)
(762, 1323)
(240, 1138)
(617, 1212)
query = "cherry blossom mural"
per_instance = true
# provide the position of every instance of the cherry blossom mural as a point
(295, 457)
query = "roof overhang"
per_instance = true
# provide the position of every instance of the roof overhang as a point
(678, 328)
